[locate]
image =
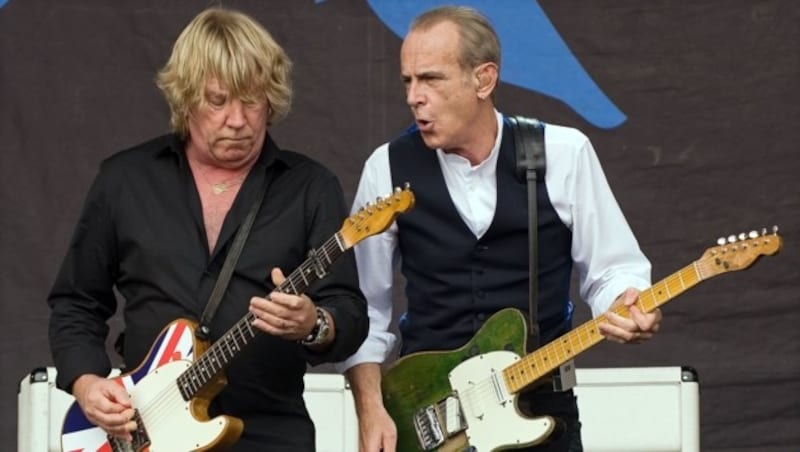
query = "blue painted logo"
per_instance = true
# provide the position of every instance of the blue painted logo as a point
(534, 55)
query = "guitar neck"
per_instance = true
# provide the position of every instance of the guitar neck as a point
(227, 347)
(536, 365)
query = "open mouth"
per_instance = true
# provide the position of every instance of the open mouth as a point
(424, 125)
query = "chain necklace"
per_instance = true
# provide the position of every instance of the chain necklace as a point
(221, 187)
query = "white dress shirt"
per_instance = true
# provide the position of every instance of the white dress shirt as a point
(605, 253)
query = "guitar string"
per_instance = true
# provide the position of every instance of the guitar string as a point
(675, 284)
(650, 299)
(167, 396)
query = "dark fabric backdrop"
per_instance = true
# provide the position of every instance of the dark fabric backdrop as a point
(709, 88)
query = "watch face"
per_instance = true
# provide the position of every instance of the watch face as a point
(324, 328)
(320, 331)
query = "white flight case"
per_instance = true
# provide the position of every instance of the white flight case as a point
(639, 409)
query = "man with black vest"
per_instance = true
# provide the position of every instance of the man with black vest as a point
(464, 247)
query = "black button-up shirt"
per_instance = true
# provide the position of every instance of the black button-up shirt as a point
(141, 232)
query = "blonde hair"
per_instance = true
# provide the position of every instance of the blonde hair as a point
(233, 48)
(479, 42)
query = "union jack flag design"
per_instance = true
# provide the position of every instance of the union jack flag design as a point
(175, 342)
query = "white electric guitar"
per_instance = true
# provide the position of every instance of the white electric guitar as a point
(172, 388)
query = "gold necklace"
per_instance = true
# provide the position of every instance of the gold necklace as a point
(221, 187)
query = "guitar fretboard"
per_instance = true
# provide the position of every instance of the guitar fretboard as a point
(547, 358)
(222, 351)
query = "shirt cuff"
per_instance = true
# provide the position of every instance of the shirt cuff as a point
(605, 298)
(375, 349)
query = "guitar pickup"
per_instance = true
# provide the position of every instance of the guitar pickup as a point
(434, 424)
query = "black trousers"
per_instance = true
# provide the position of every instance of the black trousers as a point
(561, 405)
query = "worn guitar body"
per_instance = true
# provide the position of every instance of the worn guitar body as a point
(166, 421)
(465, 399)
(424, 381)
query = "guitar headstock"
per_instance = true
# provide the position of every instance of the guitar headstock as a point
(738, 252)
(376, 217)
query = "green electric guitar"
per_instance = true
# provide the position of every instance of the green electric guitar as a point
(465, 399)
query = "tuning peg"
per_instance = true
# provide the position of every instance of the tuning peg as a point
(742, 236)
(407, 185)
(721, 241)
(732, 239)
(775, 229)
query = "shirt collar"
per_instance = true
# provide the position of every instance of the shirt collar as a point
(489, 162)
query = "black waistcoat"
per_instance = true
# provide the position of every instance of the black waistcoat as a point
(455, 281)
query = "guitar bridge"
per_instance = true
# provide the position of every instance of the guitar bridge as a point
(435, 424)
(140, 438)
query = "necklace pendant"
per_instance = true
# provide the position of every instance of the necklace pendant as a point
(219, 189)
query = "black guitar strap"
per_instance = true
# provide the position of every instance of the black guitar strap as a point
(230, 261)
(530, 152)
(530, 166)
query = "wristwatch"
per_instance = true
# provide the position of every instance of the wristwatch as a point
(320, 331)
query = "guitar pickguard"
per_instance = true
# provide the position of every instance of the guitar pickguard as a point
(489, 410)
(175, 342)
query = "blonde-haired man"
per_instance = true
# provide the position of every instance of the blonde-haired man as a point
(159, 222)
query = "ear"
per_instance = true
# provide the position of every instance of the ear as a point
(486, 75)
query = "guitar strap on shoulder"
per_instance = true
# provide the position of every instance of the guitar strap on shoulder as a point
(225, 274)
(530, 167)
